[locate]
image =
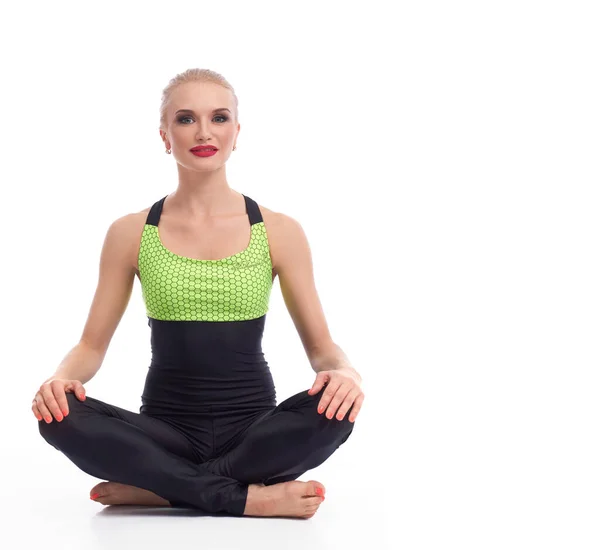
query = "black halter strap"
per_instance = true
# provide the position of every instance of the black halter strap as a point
(252, 209)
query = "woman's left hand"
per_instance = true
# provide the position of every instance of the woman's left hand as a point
(343, 387)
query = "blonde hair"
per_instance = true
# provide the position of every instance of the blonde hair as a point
(193, 75)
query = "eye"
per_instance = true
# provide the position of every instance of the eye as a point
(182, 118)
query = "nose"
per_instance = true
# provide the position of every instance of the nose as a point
(203, 135)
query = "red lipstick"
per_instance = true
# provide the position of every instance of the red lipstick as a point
(204, 150)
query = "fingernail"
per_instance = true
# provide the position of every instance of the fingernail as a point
(95, 496)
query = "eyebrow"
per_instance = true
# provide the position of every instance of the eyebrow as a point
(214, 111)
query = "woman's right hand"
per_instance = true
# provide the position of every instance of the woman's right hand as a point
(51, 398)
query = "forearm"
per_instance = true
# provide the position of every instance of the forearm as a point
(332, 358)
(81, 363)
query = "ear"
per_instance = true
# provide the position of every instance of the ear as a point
(163, 136)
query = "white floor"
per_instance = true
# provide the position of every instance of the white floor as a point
(64, 517)
(426, 475)
(433, 471)
(46, 505)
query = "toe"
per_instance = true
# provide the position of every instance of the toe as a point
(315, 488)
(99, 490)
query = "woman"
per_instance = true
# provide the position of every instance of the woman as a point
(209, 434)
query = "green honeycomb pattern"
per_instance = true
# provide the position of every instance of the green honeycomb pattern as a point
(178, 288)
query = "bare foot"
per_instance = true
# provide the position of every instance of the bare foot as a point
(287, 499)
(111, 492)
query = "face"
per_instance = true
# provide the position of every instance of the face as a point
(193, 118)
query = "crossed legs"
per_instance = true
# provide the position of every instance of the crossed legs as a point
(144, 452)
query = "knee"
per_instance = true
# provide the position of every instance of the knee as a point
(73, 402)
(344, 424)
(343, 429)
(339, 430)
(349, 427)
(329, 427)
(50, 431)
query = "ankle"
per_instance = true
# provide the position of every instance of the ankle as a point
(255, 501)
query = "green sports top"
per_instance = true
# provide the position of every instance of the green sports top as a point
(178, 288)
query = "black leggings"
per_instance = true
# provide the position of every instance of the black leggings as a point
(205, 461)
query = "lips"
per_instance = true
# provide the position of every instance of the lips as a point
(204, 148)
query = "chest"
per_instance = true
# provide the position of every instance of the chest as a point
(208, 244)
(209, 241)
(229, 288)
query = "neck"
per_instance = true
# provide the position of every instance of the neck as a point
(203, 194)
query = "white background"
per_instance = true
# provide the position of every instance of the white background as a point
(442, 158)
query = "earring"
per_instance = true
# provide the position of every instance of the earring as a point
(234, 147)
(168, 151)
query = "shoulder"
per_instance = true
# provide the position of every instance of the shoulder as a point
(286, 236)
(127, 231)
(130, 224)
(278, 220)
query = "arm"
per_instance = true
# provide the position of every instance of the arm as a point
(332, 358)
(296, 278)
(112, 296)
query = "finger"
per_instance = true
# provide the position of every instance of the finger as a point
(35, 410)
(320, 380)
(327, 395)
(357, 406)
(337, 399)
(352, 395)
(60, 395)
(43, 409)
(79, 390)
(76, 387)
(58, 390)
(50, 400)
